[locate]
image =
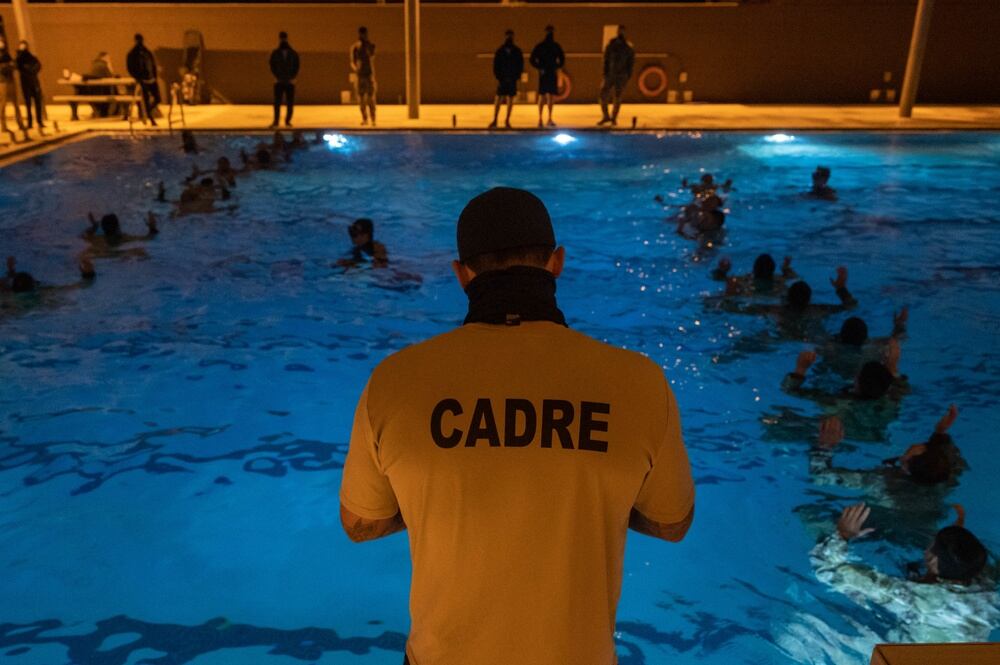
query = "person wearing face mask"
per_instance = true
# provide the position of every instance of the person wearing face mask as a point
(8, 93)
(28, 66)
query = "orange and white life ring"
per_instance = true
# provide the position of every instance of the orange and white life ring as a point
(660, 81)
(565, 86)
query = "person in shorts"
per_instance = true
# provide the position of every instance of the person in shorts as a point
(548, 58)
(508, 64)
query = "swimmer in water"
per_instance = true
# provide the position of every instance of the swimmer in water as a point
(702, 220)
(761, 281)
(936, 461)
(947, 597)
(224, 174)
(201, 197)
(366, 249)
(260, 160)
(111, 233)
(797, 316)
(874, 381)
(707, 186)
(16, 283)
(850, 348)
(820, 188)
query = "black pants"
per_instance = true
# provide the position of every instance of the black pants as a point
(150, 97)
(33, 93)
(286, 90)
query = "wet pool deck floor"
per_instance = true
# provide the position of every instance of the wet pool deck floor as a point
(470, 117)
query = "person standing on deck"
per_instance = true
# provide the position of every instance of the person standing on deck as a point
(141, 66)
(619, 58)
(516, 453)
(508, 64)
(548, 58)
(363, 66)
(28, 66)
(284, 68)
(8, 91)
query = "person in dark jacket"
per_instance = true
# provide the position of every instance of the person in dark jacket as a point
(141, 66)
(548, 58)
(619, 58)
(29, 66)
(8, 91)
(508, 64)
(284, 67)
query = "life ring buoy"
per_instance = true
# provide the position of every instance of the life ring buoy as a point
(657, 72)
(565, 84)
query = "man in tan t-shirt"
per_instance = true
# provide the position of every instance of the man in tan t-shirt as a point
(516, 453)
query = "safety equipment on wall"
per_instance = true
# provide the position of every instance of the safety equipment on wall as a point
(565, 86)
(652, 81)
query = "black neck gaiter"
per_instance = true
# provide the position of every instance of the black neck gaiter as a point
(513, 295)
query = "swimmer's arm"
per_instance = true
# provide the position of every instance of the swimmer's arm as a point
(359, 529)
(833, 565)
(839, 283)
(674, 532)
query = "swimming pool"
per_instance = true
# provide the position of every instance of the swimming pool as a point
(171, 437)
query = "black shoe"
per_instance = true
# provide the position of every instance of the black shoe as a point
(288, 123)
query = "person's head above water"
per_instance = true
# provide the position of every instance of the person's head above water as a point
(22, 282)
(799, 295)
(853, 331)
(763, 267)
(873, 381)
(502, 228)
(933, 465)
(362, 231)
(955, 555)
(821, 176)
(223, 164)
(110, 225)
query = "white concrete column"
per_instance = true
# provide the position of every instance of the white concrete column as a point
(411, 19)
(915, 61)
(23, 25)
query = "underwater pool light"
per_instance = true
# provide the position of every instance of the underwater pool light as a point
(335, 140)
(779, 138)
(563, 138)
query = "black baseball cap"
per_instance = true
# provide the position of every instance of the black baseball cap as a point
(503, 218)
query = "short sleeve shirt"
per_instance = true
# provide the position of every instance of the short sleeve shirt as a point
(515, 455)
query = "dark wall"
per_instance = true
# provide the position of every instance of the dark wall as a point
(783, 51)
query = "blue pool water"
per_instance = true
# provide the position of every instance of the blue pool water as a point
(171, 437)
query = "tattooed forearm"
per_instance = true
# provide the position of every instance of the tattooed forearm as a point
(672, 532)
(359, 529)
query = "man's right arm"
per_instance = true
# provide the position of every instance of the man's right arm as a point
(664, 507)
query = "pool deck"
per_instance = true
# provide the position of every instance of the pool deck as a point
(470, 117)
